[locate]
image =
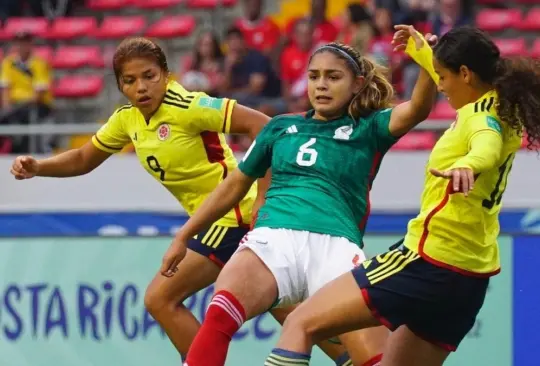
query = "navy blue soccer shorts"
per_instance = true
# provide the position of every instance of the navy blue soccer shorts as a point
(437, 304)
(218, 243)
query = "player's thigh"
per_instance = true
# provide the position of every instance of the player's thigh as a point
(337, 308)
(195, 272)
(404, 348)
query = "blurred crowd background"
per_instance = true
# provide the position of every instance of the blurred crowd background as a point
(58, 86)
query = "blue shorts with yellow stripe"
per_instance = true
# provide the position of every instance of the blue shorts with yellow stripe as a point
(436, 303)
(218, 243)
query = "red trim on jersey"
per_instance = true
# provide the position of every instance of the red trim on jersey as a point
(445, 346)
(425, 235)
(216, 260)
(374, 164)
(216, 154)
(227, 104)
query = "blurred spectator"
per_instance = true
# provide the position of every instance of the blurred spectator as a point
(26, 82)
(10, 8)
(452, 13)
(50, 8)
(204, 70)
(381, 47)
(260, 32)
(324, 30)
(294, 62)
(357, 28)
(249, 76)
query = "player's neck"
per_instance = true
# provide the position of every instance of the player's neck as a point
(480, 91)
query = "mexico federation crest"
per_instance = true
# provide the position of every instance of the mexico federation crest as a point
(163, 131)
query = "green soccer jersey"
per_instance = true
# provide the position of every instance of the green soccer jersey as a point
(321, 171)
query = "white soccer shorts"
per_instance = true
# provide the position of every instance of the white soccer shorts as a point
(302, 262)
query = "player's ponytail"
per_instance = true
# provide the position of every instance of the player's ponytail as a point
(517, 82)
(377, 92)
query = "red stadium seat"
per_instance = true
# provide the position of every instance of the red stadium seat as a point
(531, 21)
(36, 26)
(209, 4)
(527, 1)
(78, 86)
(104, 5)
(114, 27)
(489, 2)
(443, 111)
(172, 26)
(421, 140)
(535, 49)
(70, 28)
(155, 4)
(511, 47)
(498, 19)
(74, 57)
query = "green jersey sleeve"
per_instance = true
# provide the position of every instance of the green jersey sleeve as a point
(258, 158)
(381, 129)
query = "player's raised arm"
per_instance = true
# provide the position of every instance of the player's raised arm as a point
(408, 114)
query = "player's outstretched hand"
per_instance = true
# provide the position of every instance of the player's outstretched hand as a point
(462, 178)
(404, 32)
(24, 167)
(172, 258)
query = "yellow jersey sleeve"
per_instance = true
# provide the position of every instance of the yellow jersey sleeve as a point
(212, 114)
(423, 56)
(112, 136)
(42, 75)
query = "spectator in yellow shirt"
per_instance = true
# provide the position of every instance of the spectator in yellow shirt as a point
(26, 87)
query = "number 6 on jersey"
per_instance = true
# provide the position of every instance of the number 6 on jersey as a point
(307, 156)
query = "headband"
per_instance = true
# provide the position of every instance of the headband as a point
(357, 67)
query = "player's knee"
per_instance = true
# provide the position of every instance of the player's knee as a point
(159, 299)
(298, 324)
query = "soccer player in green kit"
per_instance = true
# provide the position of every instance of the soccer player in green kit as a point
(310, 229)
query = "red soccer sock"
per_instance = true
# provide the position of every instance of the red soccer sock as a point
(225, 315)
(375, 361)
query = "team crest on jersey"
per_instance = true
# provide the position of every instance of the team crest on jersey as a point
(163, 131)
(343, 133)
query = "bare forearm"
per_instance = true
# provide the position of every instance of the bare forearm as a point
(67, 164)
(423, 95)
(219, 202)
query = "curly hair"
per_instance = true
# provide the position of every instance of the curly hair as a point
(377, 92)
(516, 80)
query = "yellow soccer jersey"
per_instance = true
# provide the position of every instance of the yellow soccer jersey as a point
(458, 232)
(182, 146)
(23, 78)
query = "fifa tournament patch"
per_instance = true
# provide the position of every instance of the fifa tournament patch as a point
(209, 102)
(493, 123)
(163, 131)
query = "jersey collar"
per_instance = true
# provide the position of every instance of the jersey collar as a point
(491, 93)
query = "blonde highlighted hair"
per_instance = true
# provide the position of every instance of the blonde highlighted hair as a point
(377, 92)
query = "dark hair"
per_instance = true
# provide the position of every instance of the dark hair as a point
(137, 47)
(216, 48)
(358, 13)
(377, 92)
(516, 80)
(234, 32)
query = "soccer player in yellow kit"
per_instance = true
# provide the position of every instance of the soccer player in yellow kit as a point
(430, 288)
(179, 139)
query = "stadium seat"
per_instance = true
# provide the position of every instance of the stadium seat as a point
(155, 4)
(78, 86)
(498, 19)
(535, 49)
(489, 2)
(115, 27)
(172, 26)
(74, 57)
(104, 5)
(531, 21)
(209, 4)
(511, 46)
(416, 140)
(36, 26)
(443, 111)
(70, 28)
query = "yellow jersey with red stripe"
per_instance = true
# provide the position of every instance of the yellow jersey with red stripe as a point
(452, 230)
(182, 146)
